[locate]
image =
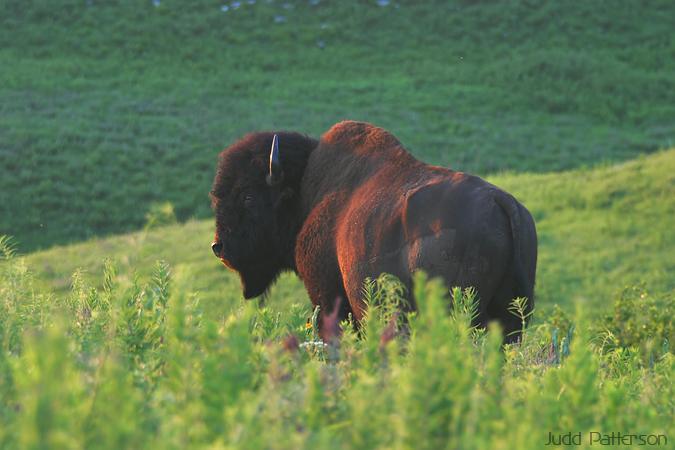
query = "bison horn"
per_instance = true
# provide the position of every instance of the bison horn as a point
(276, 174)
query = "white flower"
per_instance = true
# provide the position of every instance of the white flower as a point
(317, 343)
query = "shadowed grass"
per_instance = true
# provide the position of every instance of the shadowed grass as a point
(107, 108)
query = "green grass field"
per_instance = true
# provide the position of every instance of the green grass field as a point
(600, 230)
(108, 107)
(111, 117)
(144, 365)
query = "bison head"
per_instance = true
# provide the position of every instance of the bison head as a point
(255, 200)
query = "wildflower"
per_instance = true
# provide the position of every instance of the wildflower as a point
(330, 325)
(318, 344)
(390, 331)
(290, 344)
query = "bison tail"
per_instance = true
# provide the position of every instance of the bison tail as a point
(524, 287)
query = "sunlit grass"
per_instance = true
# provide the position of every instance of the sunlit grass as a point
(145, 366)
(599, 231)
(107, 108)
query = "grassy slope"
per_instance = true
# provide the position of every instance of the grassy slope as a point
(107, 108)
(599, 229)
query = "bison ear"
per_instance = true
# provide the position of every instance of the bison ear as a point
(276, 173)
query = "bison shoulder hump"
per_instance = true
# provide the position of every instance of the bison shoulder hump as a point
(357, 134)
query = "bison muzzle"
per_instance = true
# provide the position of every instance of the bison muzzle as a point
(355, 204)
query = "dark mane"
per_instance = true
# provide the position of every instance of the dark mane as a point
(257, 223)
(252, 152)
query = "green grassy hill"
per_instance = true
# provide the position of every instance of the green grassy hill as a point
(109, 107)
(169, 356)
(599, 230)
(111, 117)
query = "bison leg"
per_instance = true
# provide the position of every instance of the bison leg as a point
(317, 265)
(328, 297)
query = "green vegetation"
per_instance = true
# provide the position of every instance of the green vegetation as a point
(150, 355)
(107, 108)
(111, 116)
(144, 367)
(600, 230)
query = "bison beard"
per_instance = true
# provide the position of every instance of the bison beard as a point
(356, 204)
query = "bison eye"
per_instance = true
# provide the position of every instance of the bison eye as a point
(248, 201)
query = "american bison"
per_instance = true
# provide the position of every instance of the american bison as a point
(355, 204)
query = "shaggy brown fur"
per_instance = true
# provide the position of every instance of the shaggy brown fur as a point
(356, 204)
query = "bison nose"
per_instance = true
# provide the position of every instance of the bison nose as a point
(217, 248)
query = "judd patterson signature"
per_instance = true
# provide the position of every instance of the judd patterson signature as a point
(614, 438)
